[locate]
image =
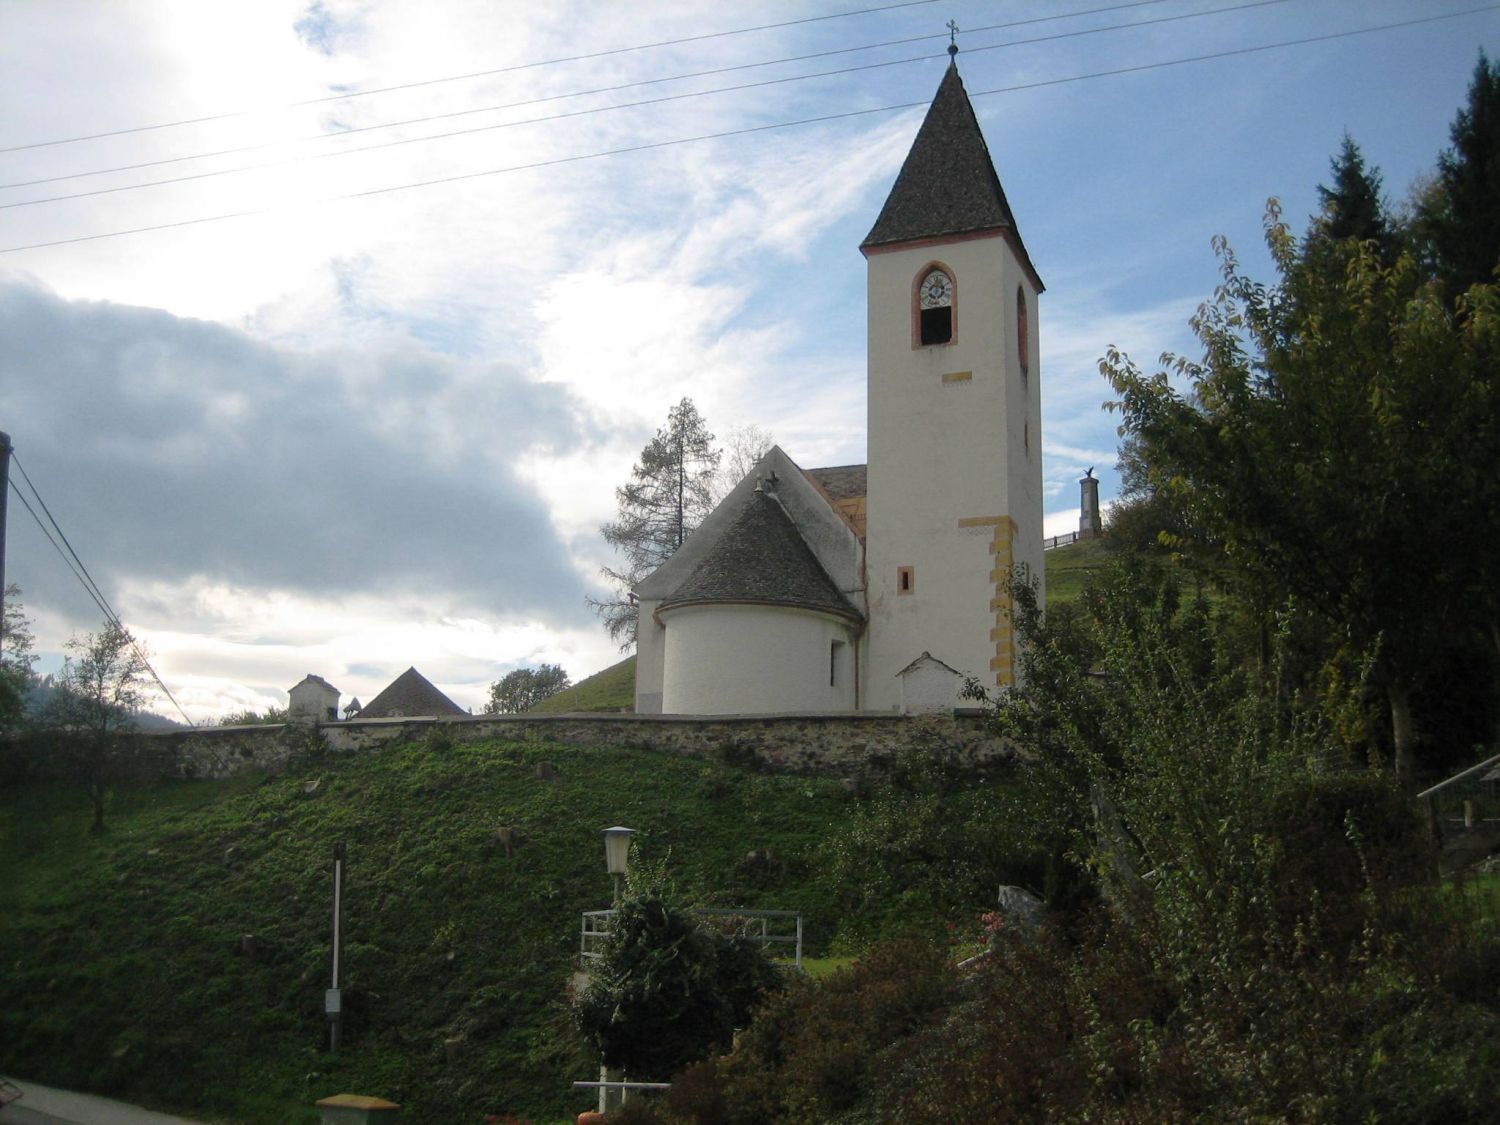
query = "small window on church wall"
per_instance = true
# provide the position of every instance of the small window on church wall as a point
(835, 657)
(906, 579)
(935, 308)
(1023, 334)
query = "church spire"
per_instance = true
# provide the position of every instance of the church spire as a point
(948, 186)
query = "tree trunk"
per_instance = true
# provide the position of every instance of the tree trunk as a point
(1403, 733)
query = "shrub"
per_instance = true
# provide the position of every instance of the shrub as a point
(667, 991)
(812, 1052)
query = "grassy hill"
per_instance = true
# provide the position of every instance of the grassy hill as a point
(610, 690)
(179, 959)
(1068, 568)
(128, 970)
(614, 688)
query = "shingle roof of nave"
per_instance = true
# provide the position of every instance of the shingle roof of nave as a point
(761, 558)
(841, 482)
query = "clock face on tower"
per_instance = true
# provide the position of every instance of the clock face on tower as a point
(937, 290)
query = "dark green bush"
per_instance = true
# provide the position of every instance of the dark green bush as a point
(667, 991)
(812, 1053)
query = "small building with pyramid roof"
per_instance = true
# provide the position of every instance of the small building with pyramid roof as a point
(410, 695)
(882, 586)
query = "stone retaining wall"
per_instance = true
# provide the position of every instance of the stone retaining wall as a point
(834, 745)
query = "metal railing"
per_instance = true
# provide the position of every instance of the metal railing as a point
(769, 928)
(1059, 540)
(1468, 799)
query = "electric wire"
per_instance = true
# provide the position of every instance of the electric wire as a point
(476, 74)
(81, 572)
(424, 119)
(751, 129)
(21, 496)
(191, 177)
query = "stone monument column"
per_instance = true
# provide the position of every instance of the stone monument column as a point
(1090, 526)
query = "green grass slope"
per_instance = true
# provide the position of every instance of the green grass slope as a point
(126, 971)
(610, 690)
(1068, 568)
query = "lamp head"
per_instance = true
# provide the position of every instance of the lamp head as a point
(617, 849)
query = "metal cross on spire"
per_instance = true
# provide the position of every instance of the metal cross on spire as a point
(952, 38)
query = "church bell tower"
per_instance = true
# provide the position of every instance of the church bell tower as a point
(954, 398)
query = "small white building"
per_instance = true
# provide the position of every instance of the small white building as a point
(314, 700)
(883, 586)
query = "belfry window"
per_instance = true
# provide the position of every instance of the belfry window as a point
(935, 307)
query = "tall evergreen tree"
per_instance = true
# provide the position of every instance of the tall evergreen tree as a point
(1458, 218)
(669, 493)
(1352, 206)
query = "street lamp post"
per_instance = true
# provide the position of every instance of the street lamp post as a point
(617, 855)
(617, 861)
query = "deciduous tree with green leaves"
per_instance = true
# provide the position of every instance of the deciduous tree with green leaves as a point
(101, 687)
(1338, 444)
(523, 688)
(16, 661)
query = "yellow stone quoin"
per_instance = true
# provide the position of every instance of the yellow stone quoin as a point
(1001, 605)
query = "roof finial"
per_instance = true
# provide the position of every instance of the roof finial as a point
(953, 42)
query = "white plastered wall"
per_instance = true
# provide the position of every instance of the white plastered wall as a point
(309, 701)
(755, 659)
(954, 451)
(650, 649)
(930, 686)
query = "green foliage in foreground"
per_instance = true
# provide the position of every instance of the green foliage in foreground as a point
(126, 972)
(1246, 920)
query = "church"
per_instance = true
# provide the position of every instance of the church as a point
(882, 587)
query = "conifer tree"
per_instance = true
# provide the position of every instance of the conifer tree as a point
(1351, 206)
(1458, 217)
(669, 493)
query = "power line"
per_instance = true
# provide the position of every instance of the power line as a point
(747, 130)
(81, 572)
(190, 177)
(325, 136)
(21, 496)
(475, 74)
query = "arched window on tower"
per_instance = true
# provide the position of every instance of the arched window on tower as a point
(935, 307)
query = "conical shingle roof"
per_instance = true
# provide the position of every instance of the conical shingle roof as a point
(762, 559)
(948, 185)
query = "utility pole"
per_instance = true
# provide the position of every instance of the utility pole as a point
(5, 448)
(333, 1001)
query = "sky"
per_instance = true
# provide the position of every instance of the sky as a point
(353, 390)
